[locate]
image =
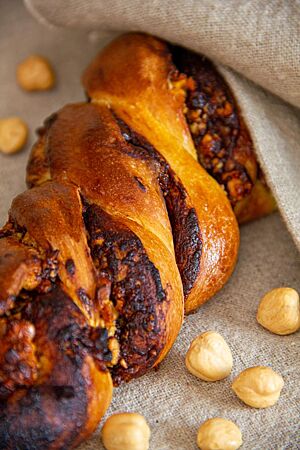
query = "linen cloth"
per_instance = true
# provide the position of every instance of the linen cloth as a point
(173, 401)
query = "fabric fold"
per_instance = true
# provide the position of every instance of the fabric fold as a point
(259, 39)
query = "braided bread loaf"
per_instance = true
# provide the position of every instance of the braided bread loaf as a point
(121, 228)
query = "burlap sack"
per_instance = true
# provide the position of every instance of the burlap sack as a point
(174, 402)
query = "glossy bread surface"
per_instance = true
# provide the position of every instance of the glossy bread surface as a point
(185, 96)
(89, 286)
(121, 78)
(119, 231)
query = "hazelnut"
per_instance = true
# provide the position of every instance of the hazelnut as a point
(279, 311)
(219, 434)
(126, 431)
(114, 347)
(259, 386)
(35, 74)
(209, 357)
(13, 134)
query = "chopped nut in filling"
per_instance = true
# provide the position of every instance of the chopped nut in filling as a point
(18, 362)
(22, 362)
(221, 138)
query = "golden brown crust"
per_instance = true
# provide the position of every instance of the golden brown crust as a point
(100, 252)
(85, 147)
(143, 100)
(132, 71)
(182, 216)
(202, 111)
(52, 215)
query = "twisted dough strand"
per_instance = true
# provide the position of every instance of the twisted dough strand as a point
(119, 227)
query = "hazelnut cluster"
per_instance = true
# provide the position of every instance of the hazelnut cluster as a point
(210, 359)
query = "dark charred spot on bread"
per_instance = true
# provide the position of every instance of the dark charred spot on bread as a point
(41, 131)
(140, 184)
(37, 409)
(136, 292)
(221, 138)
(59, 392)
(41, 406)
(22, 266)
(70, 267)
(66, 327)
(48, 122)
(85, 299)
(183, 218)
(77, 341)
(64, 392)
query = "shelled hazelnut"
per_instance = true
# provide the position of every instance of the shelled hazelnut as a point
(126, 431)
(219, 434)
(279, 311)
(209, 357)
(259, 386)
(13, 134)
(35, 74)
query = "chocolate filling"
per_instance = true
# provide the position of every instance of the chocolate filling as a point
(183, 219)
(136, 292)
(129, 296)
(221, 138)
(63, 324)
